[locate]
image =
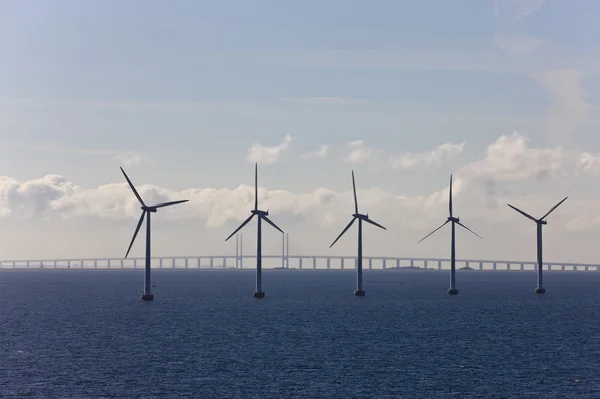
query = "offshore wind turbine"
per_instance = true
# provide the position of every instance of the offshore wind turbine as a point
(455, 221)
(359, 288)
(539, 222)
(262, 215)
(147, 295)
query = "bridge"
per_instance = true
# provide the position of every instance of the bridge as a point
(295, 262)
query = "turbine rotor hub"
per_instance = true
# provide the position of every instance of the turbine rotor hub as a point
(453, 219)
(259, 212)
(149, 209)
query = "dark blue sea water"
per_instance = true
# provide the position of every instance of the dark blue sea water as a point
(86, 334)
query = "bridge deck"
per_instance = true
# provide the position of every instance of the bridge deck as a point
(291, 262)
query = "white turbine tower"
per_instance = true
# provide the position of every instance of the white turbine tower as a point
(359, 289)
(454, 221)
(539, 222)
(147, 295)
(262, 215)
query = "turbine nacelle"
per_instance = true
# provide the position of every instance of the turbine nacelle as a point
(539, 223)
(255, 212)
(145, 208)
(541, 220)
(451, 218)
(357, 215)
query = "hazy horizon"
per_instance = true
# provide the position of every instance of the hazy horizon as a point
(502, 94)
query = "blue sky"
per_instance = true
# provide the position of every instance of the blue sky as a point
(179, 94)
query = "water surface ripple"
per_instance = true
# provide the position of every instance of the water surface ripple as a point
(86, 334)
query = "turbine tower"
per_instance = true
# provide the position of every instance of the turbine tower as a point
(147, 295)
(262, 215)
(455, 221)
(539, 222)
(359, 288)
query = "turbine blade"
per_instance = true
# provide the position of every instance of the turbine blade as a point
(553, 208)
(373, 223)
(450, 201)
(462, 225)
(523, 213)
(266, 219)
(445, 223)
(343, 231)
(168, 203)
(241, 225)
(354, 189)
(133, 188)
(137, 229)
(256, 186)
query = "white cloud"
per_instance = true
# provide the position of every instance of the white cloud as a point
(508, 162)
(359, 152)
(268, 155)
(320, 153)
(34, 197)
(571, 108)
(436, 156)
(510, 158)
(590, 163)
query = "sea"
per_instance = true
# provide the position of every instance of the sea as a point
(87, 334)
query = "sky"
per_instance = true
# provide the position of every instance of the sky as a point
(186, 97)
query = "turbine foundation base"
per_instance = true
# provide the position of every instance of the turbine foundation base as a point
(258, 294)
(540, 290)
(147, 297)
(359, 293)
(453, 291)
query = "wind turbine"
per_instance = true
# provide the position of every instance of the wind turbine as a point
(455, 221)
(539, 222)
(359, 289)
(262, 215)
(147, 295)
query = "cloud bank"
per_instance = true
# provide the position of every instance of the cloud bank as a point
(480, 185)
